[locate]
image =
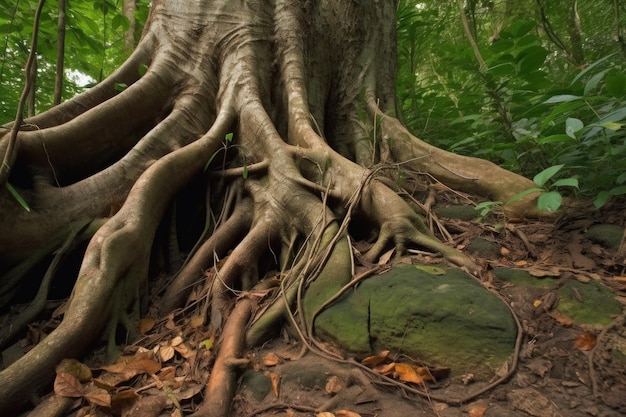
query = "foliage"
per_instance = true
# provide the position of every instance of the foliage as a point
(93, 47)
(530, 108)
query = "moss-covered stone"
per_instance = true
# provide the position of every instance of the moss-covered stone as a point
(447, 320)
(522, 278)
(484, 248)
(608, 235)
(588, 303)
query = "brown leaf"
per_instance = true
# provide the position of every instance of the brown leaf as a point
(562, 319)
(98, 396)
(346, 413)
(67, 385)
(146, 324)
(385, 257)
(275, 383)
(385, 369)
(585, 341)
(184, 350)
(75, 368)
(407, 373)
(166, 353)
(196, 321)
(376, 359)
(271, 359)
(477, 409)
(333, 385)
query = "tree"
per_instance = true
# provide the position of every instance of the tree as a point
(260, 129)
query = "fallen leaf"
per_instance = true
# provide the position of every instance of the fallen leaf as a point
(75, 368)
(196, 321)
(333, 385)
(477, 409)
(432, 270)
(325, 414)
(67, 385)
(166, 353)
(346, 413)
(184, 350)
(504, 251)
(275, 379)
(562, 319)
(98, 396)
(385, 369)
(146, 324)
(271, 359)
(384, 259)
(536, 303)
(585, 341)
(407, 373)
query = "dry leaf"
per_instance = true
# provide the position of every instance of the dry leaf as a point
(98, 396)
(585, 341)
(67, 385)
(275, 379)
(75, 368)
(346, 413)
(562, 319)
(166, 353)
(536, 303)
(477, 409)
(176, 341)
(271, 359)
(333, 385)
(146, 324)
(196, 321)
(407, 373)
(385, 369)
(184, 350)
(384, 259)
(504, 251)
(325, 414)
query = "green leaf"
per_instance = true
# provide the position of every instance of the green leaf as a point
(17, 196)
(554, 138)
(524, 193)
(601, 199)
(593, 82)
(618, 190)
(612, 125)
(119, 87)
(615, 84)
(143, 68)
(549, 201)
(573, 125)
(590, 67)
(561, 98)
(119, 20)
(207, 344)
(245, 172)
(541, 178)
(432, 270)
(229, 137)
(566, 182)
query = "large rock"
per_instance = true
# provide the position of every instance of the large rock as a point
(438, 315)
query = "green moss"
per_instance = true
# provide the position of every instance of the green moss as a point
(588, 303)
(522, 278)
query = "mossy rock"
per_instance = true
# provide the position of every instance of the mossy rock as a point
(438, 315)
(588, 303)
(522, 278)
(608, 235)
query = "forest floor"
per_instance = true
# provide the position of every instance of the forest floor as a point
(565, 368)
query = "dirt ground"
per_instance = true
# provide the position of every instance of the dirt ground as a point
(564, 368)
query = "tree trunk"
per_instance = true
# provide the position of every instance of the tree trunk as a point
(279, 115)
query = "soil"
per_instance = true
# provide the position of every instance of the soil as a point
(565, 368)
